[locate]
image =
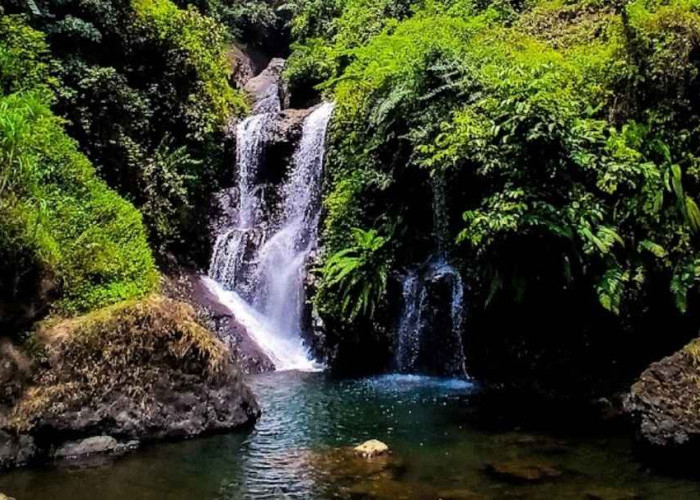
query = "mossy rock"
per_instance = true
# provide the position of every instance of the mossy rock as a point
(143, 369)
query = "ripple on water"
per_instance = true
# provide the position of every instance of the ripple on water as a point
(302, 449)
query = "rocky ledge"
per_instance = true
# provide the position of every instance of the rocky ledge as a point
(105, 382)
(664, 403)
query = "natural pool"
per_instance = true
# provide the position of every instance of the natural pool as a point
(299, 450)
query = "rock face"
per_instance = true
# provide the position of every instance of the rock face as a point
(665, 402)
(264, 88)
(138, 371)
(188, 287)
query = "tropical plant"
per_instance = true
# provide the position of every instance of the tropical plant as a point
(359, 273)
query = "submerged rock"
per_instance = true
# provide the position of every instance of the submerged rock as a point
(459, 494)
(664, 403)
(522, 471)
(609, 493)
(140, 370)
(88, 446)
(371, 448)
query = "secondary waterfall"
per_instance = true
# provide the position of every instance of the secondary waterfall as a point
(429, 333)
(429, 337)
(264, 262)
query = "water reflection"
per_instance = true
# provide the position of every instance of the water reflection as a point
(301, 448)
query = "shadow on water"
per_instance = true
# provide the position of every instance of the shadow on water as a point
(301, 448)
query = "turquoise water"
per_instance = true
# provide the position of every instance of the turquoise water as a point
(300, 449)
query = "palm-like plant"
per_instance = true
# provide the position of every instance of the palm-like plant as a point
(359, 273)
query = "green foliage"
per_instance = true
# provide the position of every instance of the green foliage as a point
(61, 228)
(201, 40)
(134, 76)
(569, 130)
(359, 273)
(23, 57)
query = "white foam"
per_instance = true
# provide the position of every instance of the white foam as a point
(287, 352)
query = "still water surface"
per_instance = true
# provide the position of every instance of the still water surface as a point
(300, 449)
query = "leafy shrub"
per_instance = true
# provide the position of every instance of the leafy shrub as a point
(59, 222)
(136, 76)
(359, 273)
(568, 130)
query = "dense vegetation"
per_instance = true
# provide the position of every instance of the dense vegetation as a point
(64, 234)
(136, 94)
(560, 135)
(145, 88)
(548, 149)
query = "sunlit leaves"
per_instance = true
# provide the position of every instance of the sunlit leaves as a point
(359, 272)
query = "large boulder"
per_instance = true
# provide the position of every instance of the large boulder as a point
(664, 403)
(265, 90)
(137, 371)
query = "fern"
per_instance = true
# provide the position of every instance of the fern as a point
(360, 273)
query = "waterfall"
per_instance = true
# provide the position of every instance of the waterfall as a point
(425, 341)
(282, 259)
(230, 247)
(266, 264)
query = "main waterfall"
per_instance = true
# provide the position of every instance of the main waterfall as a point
(258, 266)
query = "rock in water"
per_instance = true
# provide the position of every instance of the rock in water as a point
(371, 448)
(140, 370)
(84, 447)
(522, 471)
(665, 402)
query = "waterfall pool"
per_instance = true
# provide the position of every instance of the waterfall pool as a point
(299, 449)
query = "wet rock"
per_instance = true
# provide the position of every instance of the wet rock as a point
(459, 494)
(16, 450)
(371, 448)
(523, 471)
(287, 127)
(609, 493)
(248, 355)
(345, 466)
(88, 446)
(389, 489)
(264, 88)
(539, 444)
(664, 403)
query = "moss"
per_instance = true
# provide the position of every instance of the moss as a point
(692, 350)
(202, 40)
(60, 222)
(120, 349)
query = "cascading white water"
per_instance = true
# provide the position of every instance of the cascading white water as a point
(415, 325)
(282, 259)
(418, 317)
(231, 245)
(270, 270)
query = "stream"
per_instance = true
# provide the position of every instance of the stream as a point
(300, 449)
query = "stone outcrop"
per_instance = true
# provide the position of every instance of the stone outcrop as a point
(188, 287)
(371, 448)
(264, 88)
(664, 403)
(138, 371)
